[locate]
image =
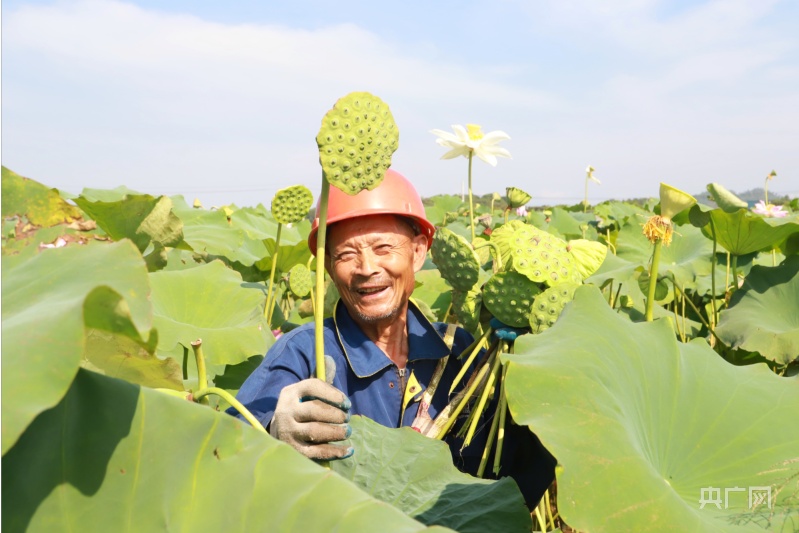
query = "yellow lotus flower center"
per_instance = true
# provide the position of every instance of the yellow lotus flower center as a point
(475, 132)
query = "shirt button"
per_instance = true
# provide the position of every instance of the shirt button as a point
(391, 384)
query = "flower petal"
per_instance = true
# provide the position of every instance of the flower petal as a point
(485, 156)
(493, 137)
(455, 152)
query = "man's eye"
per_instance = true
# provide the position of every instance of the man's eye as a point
(382, 248)
(345, 256)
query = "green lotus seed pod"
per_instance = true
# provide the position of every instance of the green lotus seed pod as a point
(509, 296)
(290, 205)
(548, 305)
(516, 197)
(356, 141)
(455, 259)
(466, 306)
(539, 255)
(300, 281)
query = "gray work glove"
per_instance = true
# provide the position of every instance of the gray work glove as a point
(311, 414)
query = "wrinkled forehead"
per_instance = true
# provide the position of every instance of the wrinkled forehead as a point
(370, 228)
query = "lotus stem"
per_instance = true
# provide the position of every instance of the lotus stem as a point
(489, 441)
(713, 272)
(471, 201)
(734, 273)
(495, 252)
(540, 518)
(237, 405)
(320, 280)
(496, 368)
(199, 359)
(653, 278)
(313, 300)
(469, 393)
(549, 510)
(502, 410)
(727, 277)
(466, 364)
(270, 292)
(677, 314)
(696, 310)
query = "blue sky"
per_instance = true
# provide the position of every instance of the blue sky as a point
(222, 100)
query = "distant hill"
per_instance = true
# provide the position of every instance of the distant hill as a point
(751, 197)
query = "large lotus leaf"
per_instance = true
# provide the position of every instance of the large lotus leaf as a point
(641, 425)
(115, 457)
(107, 195)
(567, 224)
(687, 257)
(742, 232)
(41, 205)
(620, 212)
(210, 303)
(140, 218)
(415, 474)
(25, 240)
(288, 256)
(434, 291)
(48, 300)
(763, 315)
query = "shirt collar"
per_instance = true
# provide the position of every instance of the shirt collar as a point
(366, 359)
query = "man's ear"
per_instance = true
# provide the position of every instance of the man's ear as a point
(419, 243)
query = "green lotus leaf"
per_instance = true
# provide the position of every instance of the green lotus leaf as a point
(619, 212)
(456, 259)
(588, 255)
(568, 225)
(415, 474)
(41, 205)
(652, 423)
(210, 303)
(674, 201)
(742, 232)
(289, 255)
(727, 201)
(142, 219)
(356, 141)
(434, 291)
(115, 457)
(300, 281)
(107, 195)
(290, 205)
(437, 207)
(49, 300)
(762, 316)
(509, 297)
(516, 197)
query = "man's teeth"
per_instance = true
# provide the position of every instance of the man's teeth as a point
(370, 290)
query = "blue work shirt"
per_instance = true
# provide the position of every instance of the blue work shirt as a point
(372, 382)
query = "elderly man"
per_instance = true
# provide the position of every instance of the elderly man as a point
(381, 351)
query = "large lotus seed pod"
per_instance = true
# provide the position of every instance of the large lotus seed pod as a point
(300, 281)
(548, 305)
(516, 197)
(356, 141)
(540, 256)
(466, 306)
(290, 205)
(509, 296)
(588, 256)
(455, 259)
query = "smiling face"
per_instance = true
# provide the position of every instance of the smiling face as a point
(372, 262)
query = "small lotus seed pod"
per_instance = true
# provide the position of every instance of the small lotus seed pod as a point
(516, 197)
(509, 296)
(356, 141)
(290, 205)
(466, 306)
(548, 305)
(455, 259)
(300, 281)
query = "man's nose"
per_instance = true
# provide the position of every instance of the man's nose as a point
(367, 263)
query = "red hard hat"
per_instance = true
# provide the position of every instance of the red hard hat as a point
(394, 196)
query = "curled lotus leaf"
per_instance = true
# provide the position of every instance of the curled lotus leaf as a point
(540, 256)
(466, 305)
(516, 197)
(356, 141)
(290, 205)
(588, 255)
(509, 296)
(727, 201)
(300, 281)
(548, 305)
(456, 259)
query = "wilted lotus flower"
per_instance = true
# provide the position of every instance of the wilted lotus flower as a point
(521, 211)
(672, 202)
(769, 210)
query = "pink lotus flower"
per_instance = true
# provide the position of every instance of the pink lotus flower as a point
(769, 210)
(521, 211)
(277, 333)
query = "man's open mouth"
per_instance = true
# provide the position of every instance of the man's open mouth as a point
(370, 290)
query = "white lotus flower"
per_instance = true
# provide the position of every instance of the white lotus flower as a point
(472, 140)
(589, 171)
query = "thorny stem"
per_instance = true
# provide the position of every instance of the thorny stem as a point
(320, 280)
(270, 293)
(199, 359)
(653, 278)
(237, 405)
(471, 201)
